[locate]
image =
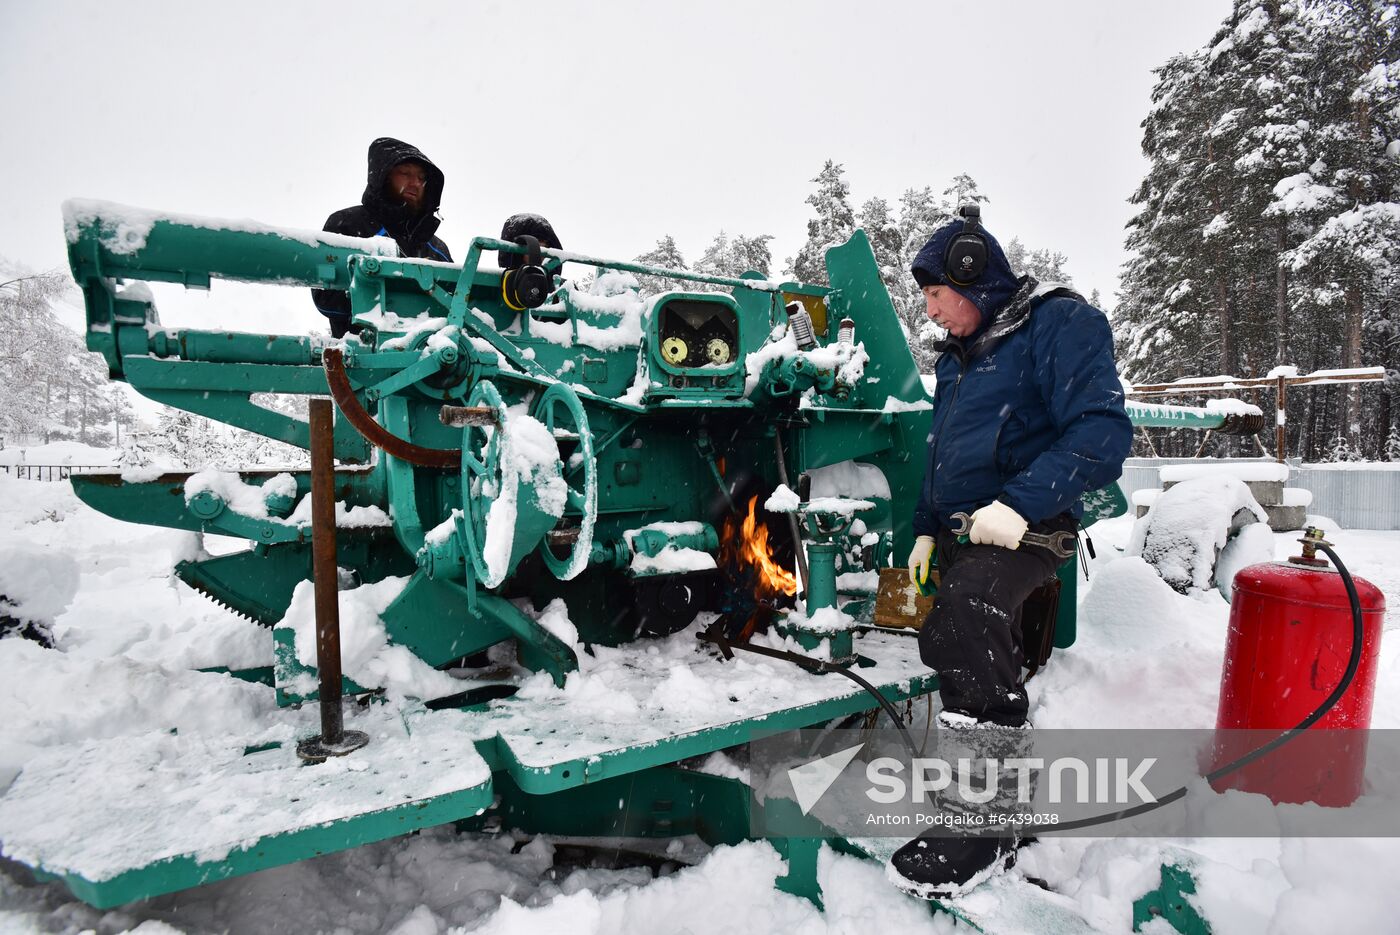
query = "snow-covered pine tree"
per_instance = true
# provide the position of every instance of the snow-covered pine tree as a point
(665, 255)
(886, 241)
(1307, 305)
(1273, 62)
(1224, 259)
(890, 243)
(1045, 265)
(834, 223)
(55, 388)
(250, 449)
(1048, 266)
(962, 191)
(1261, 64)
(920, 214)
(95, 407)
(1268, 222)
(179, 437)
(138, 451)
(1342, 449)
(717, 260)
(1166, 322)
(1354, 251)
(726, 257)
(1163, 326)
(202, 444)
(1392, 444)
(32, 345)
(1015, 255)
(751, 254)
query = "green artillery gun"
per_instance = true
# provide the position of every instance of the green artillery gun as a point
(589, 449)
(606, 449)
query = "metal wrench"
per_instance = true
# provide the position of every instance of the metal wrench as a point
(1060, 543)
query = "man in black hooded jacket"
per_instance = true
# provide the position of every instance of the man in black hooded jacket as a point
(401, 199)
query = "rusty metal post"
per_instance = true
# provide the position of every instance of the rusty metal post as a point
(1281, 417)
(333, 740)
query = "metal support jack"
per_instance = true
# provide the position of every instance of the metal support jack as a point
(334, 739)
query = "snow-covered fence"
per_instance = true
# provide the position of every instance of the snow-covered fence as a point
(50, 471)
(1361, 495)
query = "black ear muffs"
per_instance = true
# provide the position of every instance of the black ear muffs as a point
(966, 257)
(529, 285)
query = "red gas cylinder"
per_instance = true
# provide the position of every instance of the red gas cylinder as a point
(1289, 643)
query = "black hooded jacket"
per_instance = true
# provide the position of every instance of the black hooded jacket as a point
(375, 216)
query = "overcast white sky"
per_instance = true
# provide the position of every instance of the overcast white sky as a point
(620, 121)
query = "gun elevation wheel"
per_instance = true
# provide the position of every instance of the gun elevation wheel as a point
(481, 481)
(561, 411)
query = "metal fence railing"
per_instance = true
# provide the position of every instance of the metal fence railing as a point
(51, 471)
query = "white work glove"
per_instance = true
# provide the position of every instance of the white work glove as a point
(918, 560)
(997, 524)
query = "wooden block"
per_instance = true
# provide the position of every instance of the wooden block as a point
(899, 603)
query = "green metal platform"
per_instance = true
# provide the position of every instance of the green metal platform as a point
(133, 817)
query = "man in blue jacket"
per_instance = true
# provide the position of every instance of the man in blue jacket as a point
(1027, 416)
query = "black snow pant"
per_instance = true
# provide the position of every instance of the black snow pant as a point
(972, 637)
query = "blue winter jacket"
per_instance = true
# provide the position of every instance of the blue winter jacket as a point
(1029, 411)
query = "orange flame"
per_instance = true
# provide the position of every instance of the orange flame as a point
(750, 548)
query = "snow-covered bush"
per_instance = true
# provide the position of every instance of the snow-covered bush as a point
(1342, 450)
(35, 587)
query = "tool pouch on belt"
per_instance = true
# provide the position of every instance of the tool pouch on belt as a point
(1038, 615)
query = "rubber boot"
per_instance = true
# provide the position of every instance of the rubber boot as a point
(935, 864)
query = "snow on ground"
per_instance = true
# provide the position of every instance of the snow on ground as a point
(60, 453)
(132, 637)
(1159, 666)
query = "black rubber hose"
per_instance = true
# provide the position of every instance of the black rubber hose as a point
(884, 703)
(820, 666)
(1353, 663)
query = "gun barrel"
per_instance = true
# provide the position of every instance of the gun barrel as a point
(1241, 419)
(108, 240)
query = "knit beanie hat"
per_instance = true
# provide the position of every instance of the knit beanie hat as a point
(989, 292)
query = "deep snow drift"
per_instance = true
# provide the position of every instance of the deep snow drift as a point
(132, 636)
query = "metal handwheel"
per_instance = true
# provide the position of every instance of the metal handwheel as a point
(561, 411)
(481, 479)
